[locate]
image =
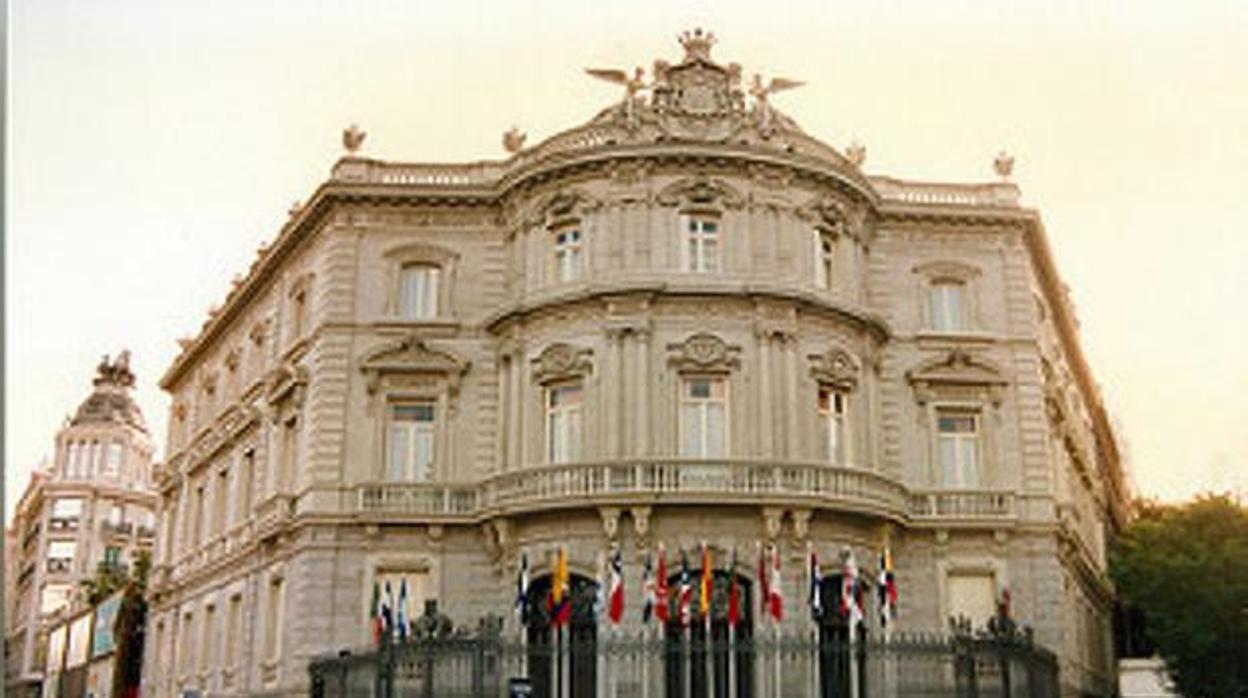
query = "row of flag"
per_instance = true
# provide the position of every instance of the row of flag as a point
(657, 594)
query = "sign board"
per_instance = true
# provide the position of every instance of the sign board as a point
(519, 687)
(102, 640)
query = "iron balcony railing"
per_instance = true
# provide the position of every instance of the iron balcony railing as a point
(682, 481)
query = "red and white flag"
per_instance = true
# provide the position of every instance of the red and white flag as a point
(775, 596)
(661, 592)
(615, 590)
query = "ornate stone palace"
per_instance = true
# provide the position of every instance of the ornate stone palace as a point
(86, 513)
(686, 320)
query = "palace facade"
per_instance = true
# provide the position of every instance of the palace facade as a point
(87, 513)
(686, 320)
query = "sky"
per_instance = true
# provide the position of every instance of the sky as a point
(153, 146)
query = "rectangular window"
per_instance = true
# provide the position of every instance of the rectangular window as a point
(298, 314)
(112, 460)
(197, 520)
(958, 434)
(273, 620)
(825, 251)
(233, 625)
(62, 550)
(702, 244)
(220, 501)
(67, 509)
(563, 423)
(246, 481)
(418, 292)
(54, 597)
(112, 556)
(187, 646)
(971, 594)
(945, 304)
(703, 417)
(832, 425)
(116, 514)
(567, 255)
(208, 633)
(409, 436)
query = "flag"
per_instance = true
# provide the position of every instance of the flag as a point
(775, 600)
(374, 613)
(661, 592)
(600, 590)
(851, 592)
(684, 597)
(648, 590)
(816, 582)
(522, 589)
(734, 594)
(615, 593)
(764, 583)
(560, 604)
(887, 589)
(706, 579)
(387, 610)
(400, 616)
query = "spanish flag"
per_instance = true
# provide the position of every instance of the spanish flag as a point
(704, 584)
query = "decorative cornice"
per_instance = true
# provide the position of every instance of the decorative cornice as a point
(836, 368)
(957, 368)
(562, 362)
(704, 352)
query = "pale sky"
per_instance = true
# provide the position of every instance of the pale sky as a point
(155, 145)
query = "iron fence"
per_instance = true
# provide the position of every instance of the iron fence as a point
(683, 665)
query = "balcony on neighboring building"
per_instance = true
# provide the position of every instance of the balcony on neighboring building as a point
(60, 565)
(63, 524)
(117, 528)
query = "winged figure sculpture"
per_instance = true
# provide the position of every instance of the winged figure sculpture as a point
(632, 85)
(760, 92)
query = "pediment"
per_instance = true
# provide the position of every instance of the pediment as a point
(701, 191)
(562, 362)
(835, 367)
(958, 374)
(412, 355)
(704, 352)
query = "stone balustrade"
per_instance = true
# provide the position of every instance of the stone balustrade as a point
(926, 193)
(972, 505)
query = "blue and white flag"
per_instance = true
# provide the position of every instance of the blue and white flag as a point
(522, 588)
(400, 616)
(387, 610)
(816, 582)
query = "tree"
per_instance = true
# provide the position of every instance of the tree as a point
(1185, 568)
(128, 629)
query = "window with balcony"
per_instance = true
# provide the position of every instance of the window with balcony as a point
(65, 514)
(54, 597)
(410, 441)
(61, 555)
(564, 422)
(567, 254)
(418, 291)
(833, 421)
(947, 306)
(958, 447)
(702, 244)
(825, 259)
(703, 417)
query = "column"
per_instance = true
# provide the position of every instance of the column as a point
(642, 406)
(794, 400)
(766, 403)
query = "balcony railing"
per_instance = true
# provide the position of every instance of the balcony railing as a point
(119, 528)
(58, 564)
(675, 481)
(962, 504)
(67, 524)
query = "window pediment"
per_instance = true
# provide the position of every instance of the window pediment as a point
(412, 355)
(286, 383)
(701, 192)
(565, 207)
(704, 353)
(836, 368)
(421, 252)
(958, 374)
(946, 271)
(562, 362)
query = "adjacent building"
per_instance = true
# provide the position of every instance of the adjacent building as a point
(89, 511)
(686, 320)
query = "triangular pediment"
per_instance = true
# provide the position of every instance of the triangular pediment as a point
(957, 367)
(412, 355)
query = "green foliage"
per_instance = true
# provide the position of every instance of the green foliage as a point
(1186, 568)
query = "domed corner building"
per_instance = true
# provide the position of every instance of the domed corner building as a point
(684, 322)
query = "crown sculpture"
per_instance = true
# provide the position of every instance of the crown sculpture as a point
(696, 99)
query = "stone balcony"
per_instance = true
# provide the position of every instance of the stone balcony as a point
(803, 484)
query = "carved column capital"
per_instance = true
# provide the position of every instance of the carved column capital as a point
(641, 525)
(773, 522)
(610, 522)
